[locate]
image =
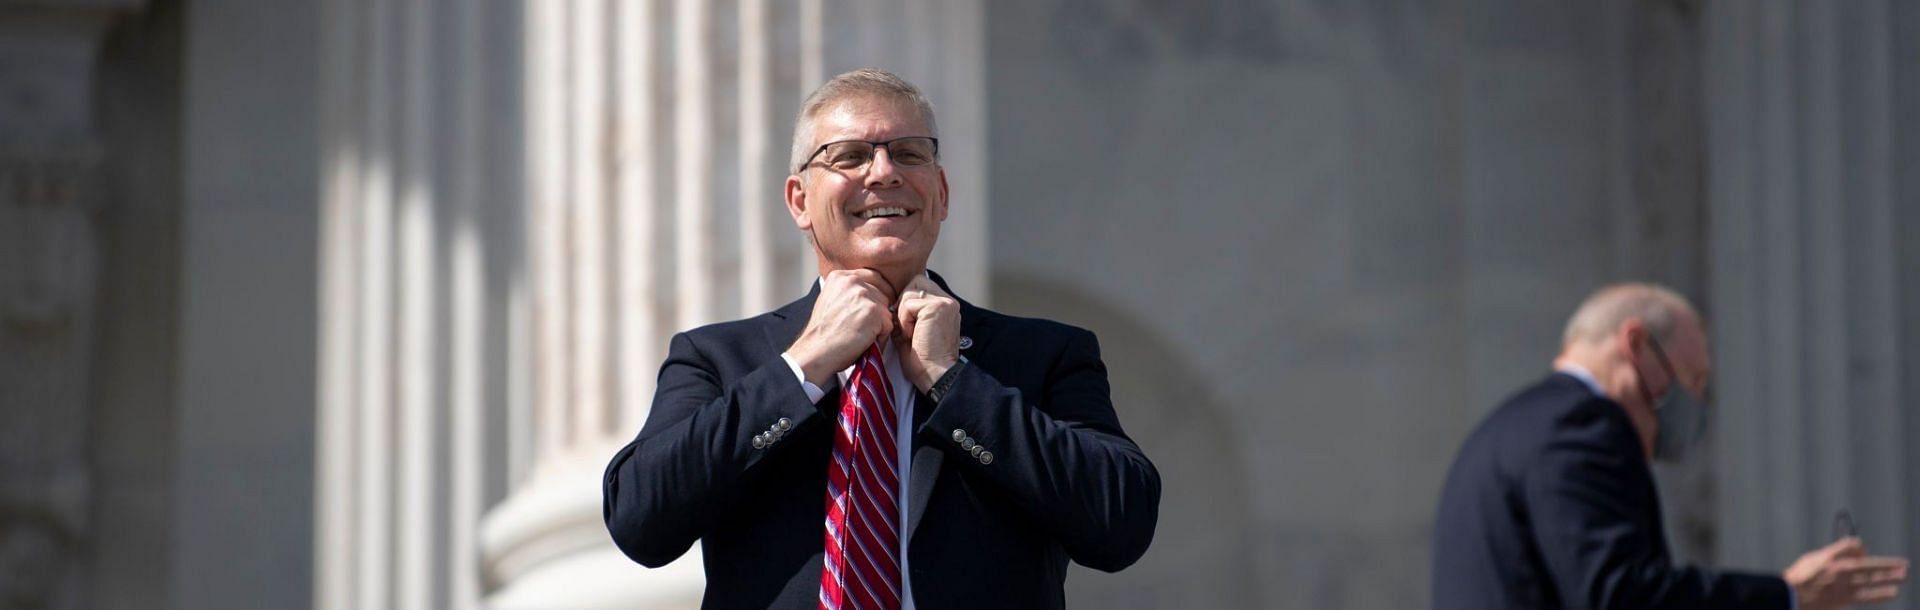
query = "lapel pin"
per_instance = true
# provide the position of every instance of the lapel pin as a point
(966, 342)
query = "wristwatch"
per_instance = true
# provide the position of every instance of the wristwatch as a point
(945, 383)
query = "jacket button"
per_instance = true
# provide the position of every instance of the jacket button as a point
(959, 435)
(977, 450)
(759, 441)
(784, 424)
(968, 444)
(986, 457)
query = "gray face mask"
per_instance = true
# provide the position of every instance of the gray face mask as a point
(1683, 418)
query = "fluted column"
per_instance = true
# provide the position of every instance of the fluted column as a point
(474, 305)
(420, 346)
(587, 186)
(693, 163)
(372, 246)
(637, 188)
(759, 168)
(1810, 256)
(408, 354)
(546, 158)
(337, 512)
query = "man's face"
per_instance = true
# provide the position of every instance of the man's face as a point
(837, 207)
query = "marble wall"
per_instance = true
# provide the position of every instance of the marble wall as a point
(1321, 239)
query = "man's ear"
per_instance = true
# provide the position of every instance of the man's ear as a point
(1632, 335)
(796, 195)
(944, 201)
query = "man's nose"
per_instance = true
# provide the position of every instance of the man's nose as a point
(881, 172)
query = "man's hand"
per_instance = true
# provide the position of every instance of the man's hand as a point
(849, 315)
(928, 341)
(1841, 574)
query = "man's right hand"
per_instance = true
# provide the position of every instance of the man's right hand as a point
(1841, 575)
(849, 315)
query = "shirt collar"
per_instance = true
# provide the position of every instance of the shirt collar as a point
(923, 272)
(1581, 373)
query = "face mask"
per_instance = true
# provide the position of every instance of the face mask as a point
(1683, 418)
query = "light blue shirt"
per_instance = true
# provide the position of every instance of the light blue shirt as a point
(1585, 376)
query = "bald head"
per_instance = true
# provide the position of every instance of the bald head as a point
(1637, 341)
(1660, 310)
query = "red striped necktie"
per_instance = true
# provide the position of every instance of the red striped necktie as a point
(863, 487)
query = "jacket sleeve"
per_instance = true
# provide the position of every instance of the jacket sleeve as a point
(665, 489)
(1586, 497)
(1061, 455)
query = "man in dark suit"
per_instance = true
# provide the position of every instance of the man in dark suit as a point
(1551, 503)
(1000, 438)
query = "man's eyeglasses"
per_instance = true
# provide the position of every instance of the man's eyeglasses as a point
(851, 155)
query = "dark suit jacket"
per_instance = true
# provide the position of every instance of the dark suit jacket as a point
(1550, 504)
(1064, 481)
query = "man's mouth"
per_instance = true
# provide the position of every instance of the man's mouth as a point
(884, 213)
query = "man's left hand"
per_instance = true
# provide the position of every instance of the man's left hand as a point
(928, 332)
(1842, 575)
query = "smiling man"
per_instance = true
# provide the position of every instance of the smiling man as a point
(881, 443)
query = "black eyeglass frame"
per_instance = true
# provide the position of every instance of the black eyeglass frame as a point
(874, 145)
(1661, 354)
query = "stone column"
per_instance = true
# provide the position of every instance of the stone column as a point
(416, 281)
(593, 203)
(1811, 141)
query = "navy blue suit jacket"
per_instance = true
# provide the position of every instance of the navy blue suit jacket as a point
(1064, 481)
(1550, 504)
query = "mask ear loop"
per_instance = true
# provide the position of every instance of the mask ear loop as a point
(1646, 393)
(1673, 376)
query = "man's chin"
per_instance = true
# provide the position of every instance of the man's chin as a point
(887, 257)
(889, 247)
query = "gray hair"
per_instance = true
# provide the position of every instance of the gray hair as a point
(1657, 307)
(864, 82)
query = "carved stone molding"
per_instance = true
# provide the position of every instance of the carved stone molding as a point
(50, 251)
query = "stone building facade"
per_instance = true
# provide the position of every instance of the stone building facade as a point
(345, 303)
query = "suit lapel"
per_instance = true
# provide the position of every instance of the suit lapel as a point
(790, 319)
(976, 324)
(926, 466)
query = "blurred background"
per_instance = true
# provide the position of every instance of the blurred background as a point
(345, 304)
